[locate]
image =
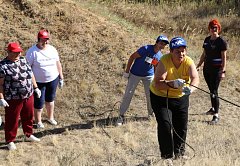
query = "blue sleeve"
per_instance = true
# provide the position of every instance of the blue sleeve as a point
(142, 51)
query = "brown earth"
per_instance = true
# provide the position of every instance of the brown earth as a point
(93, 51)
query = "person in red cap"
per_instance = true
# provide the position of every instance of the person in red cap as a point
(17, 84)
(214, 69)
(47, 69)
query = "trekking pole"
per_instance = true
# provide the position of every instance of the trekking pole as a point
(214, 95)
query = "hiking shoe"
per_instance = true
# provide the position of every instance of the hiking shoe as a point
(210, 112)
(40, 125)
(120, 120)
(32, 138)
(150, 116)
(215, 120)
(183, 157)
(52, 121)
(168, 162)
(11, 146)
(150, 113)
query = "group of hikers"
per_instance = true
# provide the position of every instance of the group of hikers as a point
(28, 82)
(169, 80)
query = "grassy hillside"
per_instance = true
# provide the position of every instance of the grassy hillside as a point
(94, 40)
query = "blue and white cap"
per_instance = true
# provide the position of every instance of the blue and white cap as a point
(177, 42)
(162, 38)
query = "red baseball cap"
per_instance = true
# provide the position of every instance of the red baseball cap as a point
(14, 47)
(43, 34)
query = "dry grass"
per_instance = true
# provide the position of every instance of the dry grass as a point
(94, 43)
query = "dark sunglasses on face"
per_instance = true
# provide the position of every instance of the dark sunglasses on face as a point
(214, 28)
(44, 39)
(15, 52)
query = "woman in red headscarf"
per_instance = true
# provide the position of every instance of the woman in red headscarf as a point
(214, 58)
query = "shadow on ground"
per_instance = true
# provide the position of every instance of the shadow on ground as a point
(105, 122)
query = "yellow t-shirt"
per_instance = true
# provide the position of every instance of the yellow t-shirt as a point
(173, 73)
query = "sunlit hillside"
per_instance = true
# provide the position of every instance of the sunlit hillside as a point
(94, 39)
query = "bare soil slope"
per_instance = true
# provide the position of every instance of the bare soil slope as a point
(93, 51)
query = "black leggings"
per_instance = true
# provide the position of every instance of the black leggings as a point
(177, 112)
(212, 79)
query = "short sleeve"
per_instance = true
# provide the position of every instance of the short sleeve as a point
(29, 57)
(142, 50)
(224, 45)
(205, 43)
(2, 72)
(57, 55)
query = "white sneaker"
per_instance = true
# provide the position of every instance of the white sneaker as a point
(11, 146)
(168, 162)
(150, 116)
(40, 125)
(32, 138)
(52, 121)
(183, 157)
(120, 120)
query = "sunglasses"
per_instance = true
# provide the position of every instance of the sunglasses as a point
(214, 28)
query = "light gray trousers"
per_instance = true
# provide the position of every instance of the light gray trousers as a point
(133, 81)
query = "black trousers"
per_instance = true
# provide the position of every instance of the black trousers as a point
(212, 79)
(176, 116)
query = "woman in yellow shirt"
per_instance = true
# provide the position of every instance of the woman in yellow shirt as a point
(169, 93)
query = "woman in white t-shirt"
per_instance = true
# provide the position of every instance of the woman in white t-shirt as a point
(47, 69)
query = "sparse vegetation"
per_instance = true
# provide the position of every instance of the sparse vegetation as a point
(94, 39)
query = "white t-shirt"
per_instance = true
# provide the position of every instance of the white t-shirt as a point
(43, 63)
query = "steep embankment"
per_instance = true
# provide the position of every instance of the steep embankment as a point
(92, 50)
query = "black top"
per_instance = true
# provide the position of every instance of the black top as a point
(213, 49)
